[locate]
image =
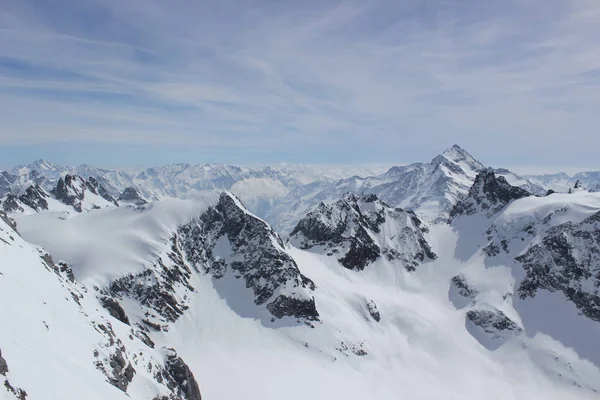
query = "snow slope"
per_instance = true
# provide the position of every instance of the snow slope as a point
(534, 259)
(382, 332)
(59, 343)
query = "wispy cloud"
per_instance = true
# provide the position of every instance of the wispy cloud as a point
(515, 82)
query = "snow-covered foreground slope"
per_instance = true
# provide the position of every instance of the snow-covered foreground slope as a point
(199, 276)
(58, 342)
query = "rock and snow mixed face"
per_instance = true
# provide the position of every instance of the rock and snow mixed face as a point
(358, 231)
(58, 342)
(488, 195)
(230, 243)
(531, 257)
(217, 283)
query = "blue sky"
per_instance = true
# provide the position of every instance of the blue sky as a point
(113, 82)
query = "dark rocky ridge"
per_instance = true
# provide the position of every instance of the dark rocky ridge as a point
(93, 186)
(34, 197)
(131, 195)
(70, 190)
(179, 378)
(495, 323)
(488, 195)
(348, 227)
(566, 259)
(156, 288)
(256, 254)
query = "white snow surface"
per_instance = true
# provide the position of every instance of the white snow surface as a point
(105, 244)
(421, 348)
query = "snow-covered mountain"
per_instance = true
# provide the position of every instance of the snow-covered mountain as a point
(360, 230)
(60, 340)
(155, 284)
(429, 189)
(531, 261)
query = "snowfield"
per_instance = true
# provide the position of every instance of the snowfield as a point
(412, 352)
(476, 290)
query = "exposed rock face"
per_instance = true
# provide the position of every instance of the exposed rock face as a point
(226, 239)
(494, 324)
(463, 288)
(116, 367)
(360, 230)
(373, 311)
(11, 204)
(8, 221)
(157, 288)
(179, 378)
(130, 195)
(93, 186)
(35, 197)
(70, 190)
(114, 308)
(567, 259)
(3, 365)
(488, 195)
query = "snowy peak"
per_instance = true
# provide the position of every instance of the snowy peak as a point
(460, 156)
(489, 194)
(230, 243)
(359, 230)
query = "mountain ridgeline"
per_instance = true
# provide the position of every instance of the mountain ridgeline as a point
(174, 282)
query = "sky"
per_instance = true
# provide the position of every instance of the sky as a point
(145, 82)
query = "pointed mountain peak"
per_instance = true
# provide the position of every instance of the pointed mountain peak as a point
(462, 157)
(41, 164)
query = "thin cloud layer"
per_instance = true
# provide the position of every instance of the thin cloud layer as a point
(515, 82)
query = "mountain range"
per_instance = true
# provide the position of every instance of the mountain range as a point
(185, 282)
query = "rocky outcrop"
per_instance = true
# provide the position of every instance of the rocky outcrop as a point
(566, 259)
(373, 311)
(488, 195)
(158, 287)
(494, 325)
(3, 365)
(11, 204)
(463, 288)
(116, 365)
(70, 190)
(359, 230)
(114, 308)
(131, 195)
(93, 186)
(8, 221)
(35, 197)
(228, 240)
(179, 378)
